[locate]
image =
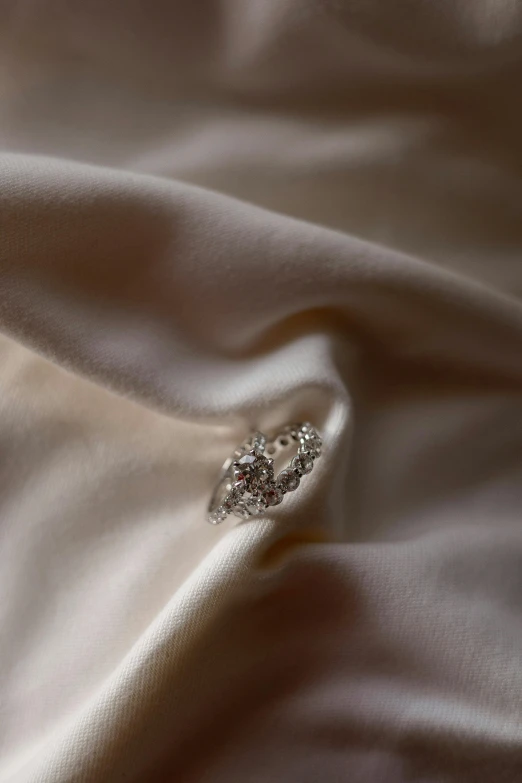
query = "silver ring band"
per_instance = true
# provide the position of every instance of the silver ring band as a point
(247, 484)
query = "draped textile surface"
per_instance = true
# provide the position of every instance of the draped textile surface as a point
(222, 214)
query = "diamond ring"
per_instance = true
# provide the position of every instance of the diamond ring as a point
(248, 484)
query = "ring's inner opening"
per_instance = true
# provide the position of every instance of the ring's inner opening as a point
(281, 449)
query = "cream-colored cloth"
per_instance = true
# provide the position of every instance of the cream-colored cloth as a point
(224, 213)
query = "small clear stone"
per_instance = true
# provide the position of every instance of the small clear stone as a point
(310, 441)
(296, 465)
(274, 496)
(288, 480)
(258, 442)
(303, 463)
(256, 504)
(236, 493)
(218, 516)
(240, 510)
(247, 459)
(307, 463)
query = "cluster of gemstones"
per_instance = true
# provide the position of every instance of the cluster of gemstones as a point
(254, 486)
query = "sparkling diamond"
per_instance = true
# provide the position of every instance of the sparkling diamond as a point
(235, 494)
(274, 496)
(258, 442)
(288, 480)
(229, 502)
(310, 441)
(218, 516)
(303, 463)
(307, 463)
(240, 510)
(253, 471)
(296, 465)
(256, 504)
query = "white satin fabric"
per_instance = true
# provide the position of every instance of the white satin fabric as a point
(227, 213)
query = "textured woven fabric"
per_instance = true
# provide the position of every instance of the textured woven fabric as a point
(223, 214)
